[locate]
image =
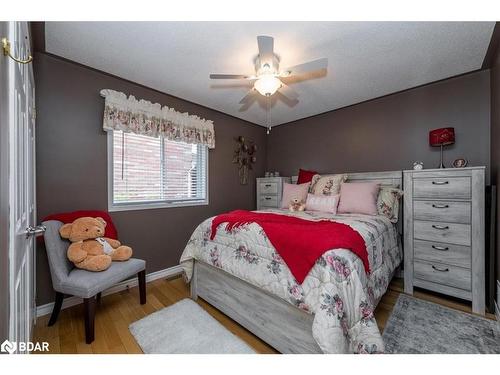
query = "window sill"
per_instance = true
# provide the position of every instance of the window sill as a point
(154, 206)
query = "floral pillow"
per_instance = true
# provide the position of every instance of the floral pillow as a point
(388, 202)
(327, 185)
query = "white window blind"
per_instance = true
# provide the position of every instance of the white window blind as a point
(156, 172)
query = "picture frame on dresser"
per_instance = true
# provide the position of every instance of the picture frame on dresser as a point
(444, 232)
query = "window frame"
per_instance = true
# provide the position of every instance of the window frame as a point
(114, 207)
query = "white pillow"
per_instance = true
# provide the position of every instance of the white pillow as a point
(323, 203)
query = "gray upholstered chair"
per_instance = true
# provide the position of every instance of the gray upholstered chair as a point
(68, 280)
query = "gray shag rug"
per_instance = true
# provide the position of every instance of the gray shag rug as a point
(417, 326)
(185, 328)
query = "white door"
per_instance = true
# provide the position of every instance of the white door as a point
(21, 123)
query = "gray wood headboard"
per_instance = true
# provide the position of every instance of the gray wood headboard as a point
(388, 178)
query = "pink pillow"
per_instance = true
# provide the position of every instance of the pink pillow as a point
(293, 191)
(323, 203)
(358, 198)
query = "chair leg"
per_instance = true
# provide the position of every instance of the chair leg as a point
(89, 307)
(57, 308)
(98, 298)
(141, 276)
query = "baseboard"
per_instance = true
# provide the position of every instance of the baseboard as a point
(72, 301)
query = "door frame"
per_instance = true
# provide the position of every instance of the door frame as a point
(20, 288)
(4, 195)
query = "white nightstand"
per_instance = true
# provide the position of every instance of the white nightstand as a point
(270, 191)
(444, 229)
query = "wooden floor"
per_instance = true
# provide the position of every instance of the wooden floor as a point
(117, 311)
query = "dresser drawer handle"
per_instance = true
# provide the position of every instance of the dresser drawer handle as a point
(440, 206)
(267, 185)
(440, 269)
(267, 198)
(440, 248)
(441, 227)
(440, 182)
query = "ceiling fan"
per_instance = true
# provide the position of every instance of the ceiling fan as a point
(268, 75)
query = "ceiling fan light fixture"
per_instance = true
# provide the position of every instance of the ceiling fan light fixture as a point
(267, 85)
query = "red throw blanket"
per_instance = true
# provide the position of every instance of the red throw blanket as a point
(299, 242)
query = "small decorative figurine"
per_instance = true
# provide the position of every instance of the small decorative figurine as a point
(418, 165)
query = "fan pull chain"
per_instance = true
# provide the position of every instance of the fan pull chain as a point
(268, 114)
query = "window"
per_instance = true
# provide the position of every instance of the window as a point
(147, 172)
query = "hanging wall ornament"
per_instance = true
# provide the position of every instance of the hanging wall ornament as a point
(244, 157)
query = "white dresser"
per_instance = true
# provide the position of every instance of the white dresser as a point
(270, 191)
(444, 229)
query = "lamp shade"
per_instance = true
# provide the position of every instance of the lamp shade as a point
(442, 137)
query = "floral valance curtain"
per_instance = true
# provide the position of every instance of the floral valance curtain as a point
(143, 117)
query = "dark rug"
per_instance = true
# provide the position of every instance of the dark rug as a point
(421, 327)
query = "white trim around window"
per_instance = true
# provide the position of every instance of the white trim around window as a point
(113, 207)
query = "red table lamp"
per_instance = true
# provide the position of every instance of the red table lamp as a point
(442, 137)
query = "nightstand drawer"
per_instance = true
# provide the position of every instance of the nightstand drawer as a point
(442, 187)
(458, 234)
(456, 212)
(456, 255)
(268, 187)
(445, 274)
(269, 201)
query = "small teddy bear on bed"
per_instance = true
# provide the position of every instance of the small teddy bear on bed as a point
(297, 204)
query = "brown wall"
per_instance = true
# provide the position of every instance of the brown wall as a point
(72, 169)
(495, 141)
(391, 132)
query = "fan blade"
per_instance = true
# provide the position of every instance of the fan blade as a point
(229, 76)
(266, 48)
(307, 67)
(248, 97)
(288, 92)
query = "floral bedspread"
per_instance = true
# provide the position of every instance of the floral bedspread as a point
(337, 290)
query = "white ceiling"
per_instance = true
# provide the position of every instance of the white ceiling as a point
(366, 59)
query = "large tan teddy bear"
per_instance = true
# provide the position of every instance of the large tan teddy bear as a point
(89, 249)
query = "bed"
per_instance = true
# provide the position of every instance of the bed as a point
(241, 274)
